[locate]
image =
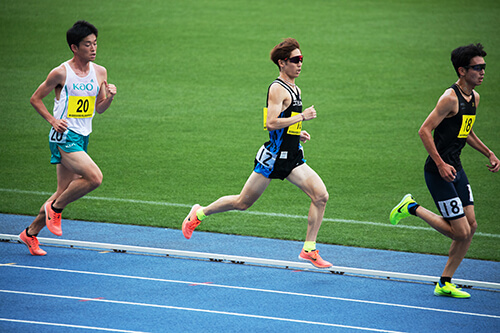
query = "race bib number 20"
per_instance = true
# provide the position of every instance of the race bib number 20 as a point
(81, 106)
(57, 137)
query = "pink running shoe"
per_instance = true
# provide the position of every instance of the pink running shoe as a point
(32, 244)
(314, 258)
(52, 220)
(190, 222)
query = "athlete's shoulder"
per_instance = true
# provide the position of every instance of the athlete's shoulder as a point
(476, 96)
(447, 104)
(100, 72)
(99, 69)
(449, 97)
(277, 88)
(57, 75)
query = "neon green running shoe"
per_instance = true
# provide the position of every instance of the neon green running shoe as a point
(450, 290)
(401, 210)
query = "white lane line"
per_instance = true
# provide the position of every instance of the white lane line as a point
(214, 285)
(288, 216)
(74, 244)
(67, 325)
(198, 310)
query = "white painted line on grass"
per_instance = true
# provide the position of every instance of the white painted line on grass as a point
(279, 215)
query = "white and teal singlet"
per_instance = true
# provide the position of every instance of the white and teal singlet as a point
(77, 100)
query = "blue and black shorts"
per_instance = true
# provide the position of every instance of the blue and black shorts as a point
(279, 165)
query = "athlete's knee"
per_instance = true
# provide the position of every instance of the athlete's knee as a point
(242, 205)
(321, 198)
(95, 179)
(473, 227)
(464, 233)
(461, 236)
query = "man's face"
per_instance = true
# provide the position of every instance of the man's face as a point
(87, 48)
(475, 71)
(293, 65)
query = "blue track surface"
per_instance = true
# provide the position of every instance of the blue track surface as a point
(84, 290)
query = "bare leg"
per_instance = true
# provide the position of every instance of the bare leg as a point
(460, 231)
(78, 163)
(460, 245)
(309, 181)
(253, 189)
(76, 176)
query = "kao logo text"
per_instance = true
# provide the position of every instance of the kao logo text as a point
(83, 86)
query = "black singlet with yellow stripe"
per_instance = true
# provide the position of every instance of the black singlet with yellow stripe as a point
(451, 134)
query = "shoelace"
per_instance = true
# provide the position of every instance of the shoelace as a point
(33, 242)
(193, 225)
(314, 254)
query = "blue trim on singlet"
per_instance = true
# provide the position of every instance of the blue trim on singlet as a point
(276, 138)
(65, 102)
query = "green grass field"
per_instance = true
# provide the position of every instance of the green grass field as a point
(186, 123)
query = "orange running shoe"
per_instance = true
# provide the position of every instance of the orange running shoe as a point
(32, 244)
(52, 220)
(314, 258)
(190, 222)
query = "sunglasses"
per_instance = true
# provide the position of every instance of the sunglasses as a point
(477, 68)
(296, 59)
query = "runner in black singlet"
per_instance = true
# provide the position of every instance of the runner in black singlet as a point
(451, 121)
(281, 157)
(283, 152)
(450, 136)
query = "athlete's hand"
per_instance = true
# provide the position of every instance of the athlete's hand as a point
(60, 125)
(309, 113)
(447, 172)
(110, 89)
(304, 136)
(494, 165)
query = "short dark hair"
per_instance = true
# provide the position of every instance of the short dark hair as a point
(79, 31)
(283, 50)
(461, 56)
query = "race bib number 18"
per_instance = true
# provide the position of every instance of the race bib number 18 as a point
(81, 106)
(467, 122)
(451, 208)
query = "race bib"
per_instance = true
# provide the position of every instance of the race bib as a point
(265, 119)
(295, 129)
(57, 137)
(81, 106)
(451, 208)
(467, 122)
(265, 157)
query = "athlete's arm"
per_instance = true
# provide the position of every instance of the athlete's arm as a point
(304, 136)
(445, 107)
(279, 100)
(56, 78)
(107, 90)
(474, 141)
(478, 145)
